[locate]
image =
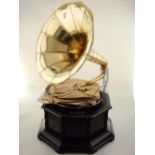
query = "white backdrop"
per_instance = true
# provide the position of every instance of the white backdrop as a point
(114, 38)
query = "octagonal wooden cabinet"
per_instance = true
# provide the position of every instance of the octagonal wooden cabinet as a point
(70, 129)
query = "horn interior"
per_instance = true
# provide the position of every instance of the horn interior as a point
(64, 42)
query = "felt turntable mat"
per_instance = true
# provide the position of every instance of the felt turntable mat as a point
(71, 92)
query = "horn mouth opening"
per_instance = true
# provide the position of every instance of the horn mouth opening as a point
(64, 42)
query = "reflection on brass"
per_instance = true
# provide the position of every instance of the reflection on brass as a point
(65, 43)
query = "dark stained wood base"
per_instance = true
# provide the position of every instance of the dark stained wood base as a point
(69, 129)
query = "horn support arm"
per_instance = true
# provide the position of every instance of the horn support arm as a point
(98, 59)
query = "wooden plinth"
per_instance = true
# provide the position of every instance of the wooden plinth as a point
(70, 129)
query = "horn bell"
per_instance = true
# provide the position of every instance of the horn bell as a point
(65, 42)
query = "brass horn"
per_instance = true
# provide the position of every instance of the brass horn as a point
(65, 43)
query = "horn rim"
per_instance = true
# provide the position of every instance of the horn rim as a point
(60, 77)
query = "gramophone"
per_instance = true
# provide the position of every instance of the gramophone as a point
(72, 124)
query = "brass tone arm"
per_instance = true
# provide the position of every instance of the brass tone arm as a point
(98, 59)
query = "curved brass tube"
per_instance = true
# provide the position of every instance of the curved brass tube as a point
(98, 59)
